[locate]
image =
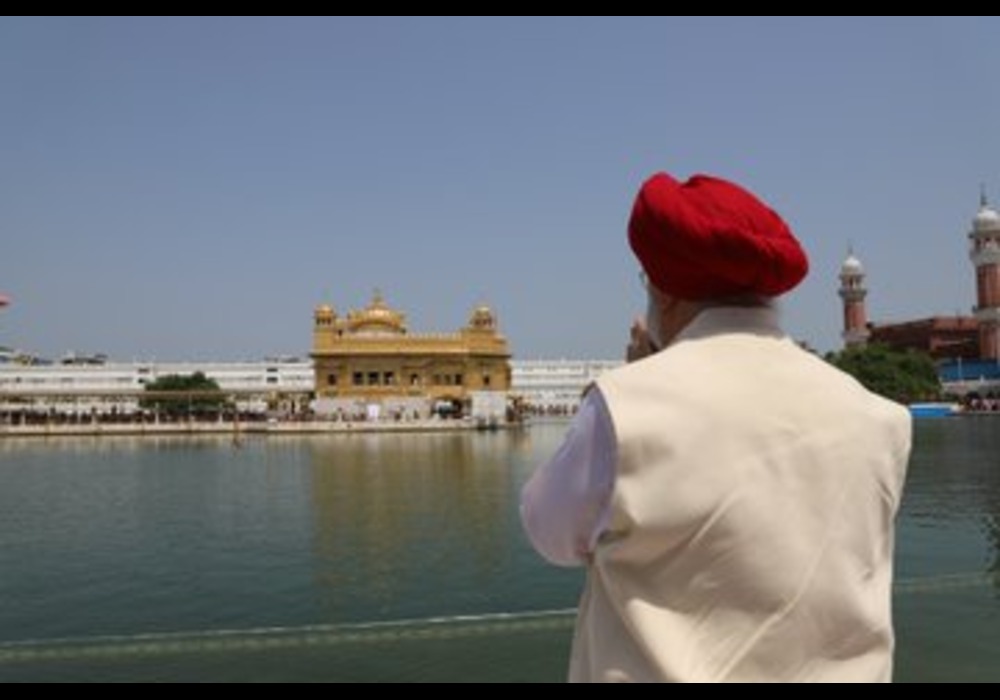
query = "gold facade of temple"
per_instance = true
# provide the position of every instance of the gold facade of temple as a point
(370, 355)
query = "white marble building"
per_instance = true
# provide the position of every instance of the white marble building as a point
(89, 386)
(94, 387)
(555, 386)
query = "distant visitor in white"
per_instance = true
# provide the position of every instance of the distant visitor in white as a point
(732, 495)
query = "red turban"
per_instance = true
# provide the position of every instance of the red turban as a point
(710, 239)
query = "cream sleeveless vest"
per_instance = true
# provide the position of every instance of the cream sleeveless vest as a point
(752, 530)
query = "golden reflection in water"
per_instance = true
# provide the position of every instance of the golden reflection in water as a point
(404, 515)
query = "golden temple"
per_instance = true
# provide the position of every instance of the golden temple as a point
(370, 355)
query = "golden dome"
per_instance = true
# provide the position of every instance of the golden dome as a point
(325, 315)
(483, 318)
(377, 318)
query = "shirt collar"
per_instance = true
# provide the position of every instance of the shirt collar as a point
(721, 320)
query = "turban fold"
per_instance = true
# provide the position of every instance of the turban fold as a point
(708, 239)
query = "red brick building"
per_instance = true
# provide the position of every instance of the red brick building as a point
(942, 337)
(974, 337)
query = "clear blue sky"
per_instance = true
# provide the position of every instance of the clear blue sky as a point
(192, 188)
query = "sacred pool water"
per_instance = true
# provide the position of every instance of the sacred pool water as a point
(384, 557)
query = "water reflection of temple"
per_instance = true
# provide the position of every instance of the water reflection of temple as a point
(398, 518)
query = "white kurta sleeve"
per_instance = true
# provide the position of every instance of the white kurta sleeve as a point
(566, 505)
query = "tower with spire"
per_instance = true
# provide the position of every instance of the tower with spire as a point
(985, 254)
(853, 292)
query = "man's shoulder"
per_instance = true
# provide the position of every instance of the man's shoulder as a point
(878, 411)
(891, 415)
(875, 403)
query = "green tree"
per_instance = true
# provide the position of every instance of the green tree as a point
(902, 376)
(179, 395)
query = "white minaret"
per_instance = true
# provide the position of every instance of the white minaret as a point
(985, 254)
(854, 292)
